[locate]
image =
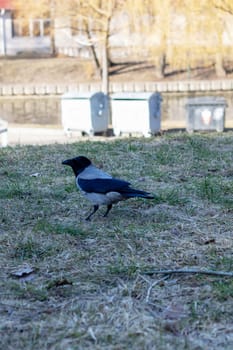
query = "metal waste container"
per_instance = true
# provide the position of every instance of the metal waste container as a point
(135, 112)
(205, 113)
(85, 112)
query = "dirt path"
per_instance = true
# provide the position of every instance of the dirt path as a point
(44, 136)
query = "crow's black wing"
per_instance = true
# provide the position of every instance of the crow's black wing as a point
(103, 185)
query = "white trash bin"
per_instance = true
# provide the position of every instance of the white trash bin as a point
(136, 113)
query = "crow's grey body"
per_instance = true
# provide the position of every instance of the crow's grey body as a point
(100, 187)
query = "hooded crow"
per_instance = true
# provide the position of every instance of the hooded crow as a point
(99, 187)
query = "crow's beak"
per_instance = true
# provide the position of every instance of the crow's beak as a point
(66, 162)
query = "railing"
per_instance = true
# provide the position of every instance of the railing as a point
(172, 86)
(30, 27)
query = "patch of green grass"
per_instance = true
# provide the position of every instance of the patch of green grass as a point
(28, 291)
(27, 250)
(11, 190)
(209, 189)
(167, 155)
(58, 228)
(171, 196)
(69, 187)
(30, 248)
(224, 263)
(119, 268)
(215, 190)
(223, 290)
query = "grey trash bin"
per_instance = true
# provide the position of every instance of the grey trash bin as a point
(205, 113)
(85, 112)
(136, 113)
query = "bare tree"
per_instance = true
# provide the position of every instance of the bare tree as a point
(101, 13)
(223, 5)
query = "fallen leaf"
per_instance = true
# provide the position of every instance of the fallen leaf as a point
(35, 175)
(209, 241)
(22, 271)
(183, 179)
(59, 283)
(213, 170)
(171, 327)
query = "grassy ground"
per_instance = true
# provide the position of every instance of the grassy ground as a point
(71, 284)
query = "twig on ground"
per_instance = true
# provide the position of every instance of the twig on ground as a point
(188, 271)
(151, 285)
(147, 271)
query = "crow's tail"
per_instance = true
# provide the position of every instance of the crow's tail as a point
(131, 192)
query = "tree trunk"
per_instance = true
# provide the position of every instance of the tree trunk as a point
(105, 73)
(105, 55)
(105, 79)
(52, 39)
(96, 60)
(52, 28)
(160, 66)
(219, 69)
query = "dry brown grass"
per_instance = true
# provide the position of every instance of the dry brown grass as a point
(46, 71)
(87, 288)
(65, 70)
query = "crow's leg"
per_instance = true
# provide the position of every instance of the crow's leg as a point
(109, 207)
(96, 207)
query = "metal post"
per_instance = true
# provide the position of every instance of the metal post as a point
(31, 24)
(3, 31)
(41, 21)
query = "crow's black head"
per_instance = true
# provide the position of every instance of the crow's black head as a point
(78, 164)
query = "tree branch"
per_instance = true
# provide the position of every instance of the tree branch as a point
(225, 7)
(99, 10)
(94, 53)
